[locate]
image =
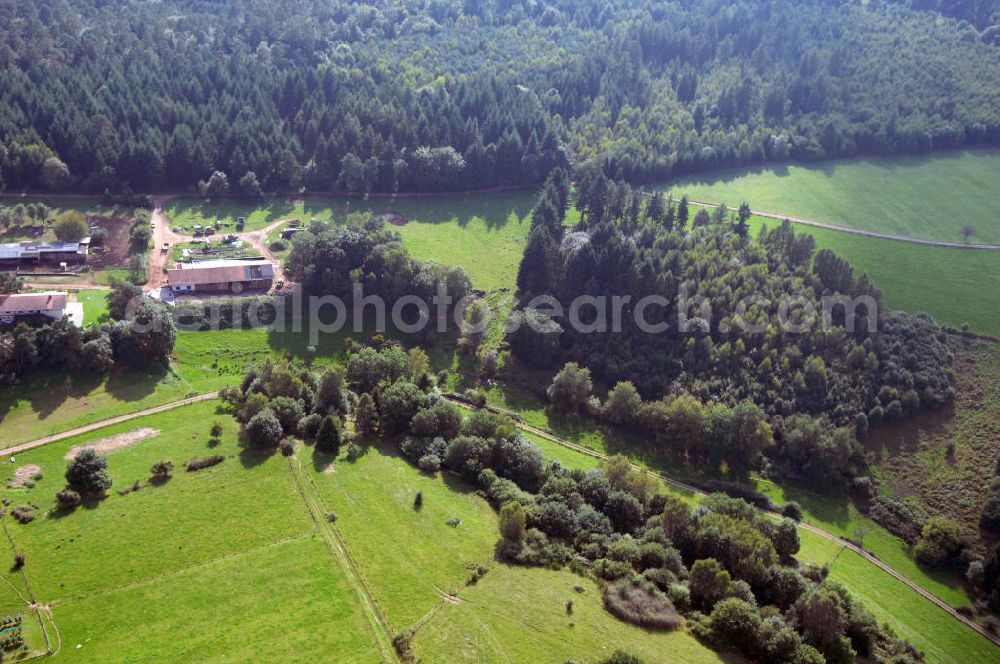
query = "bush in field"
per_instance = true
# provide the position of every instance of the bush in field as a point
(88, 473)
(68, 499)
(736, 624)
(264, 430)
(429, 463)
(792, 510)
(786, 538)
(439, 420)
(23, 513)
(709, 583)
(621, 657)
(328, 437)
(162, 471)
(207, 462)
(512, 522)
(571, 388)
(288, 411)
(640, 603)
(400, 402)
(366, 416)
(989, 519)
(309, 426)
(940, 543)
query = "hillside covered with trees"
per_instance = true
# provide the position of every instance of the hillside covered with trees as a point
(739, 333)
(457, 94)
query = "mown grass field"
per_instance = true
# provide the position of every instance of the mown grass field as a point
(517, 614)
(409, 556)
(225, 561)
(930, 197)
(95, 306)
(48, 403)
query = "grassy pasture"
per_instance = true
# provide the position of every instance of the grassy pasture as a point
(48, 403)
(221, 553)
(518, 614)
(930, 197)
(407, 555)
(285, 602)
(95, 306)
(223, 557)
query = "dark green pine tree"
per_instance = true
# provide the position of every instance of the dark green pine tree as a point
(533, 274)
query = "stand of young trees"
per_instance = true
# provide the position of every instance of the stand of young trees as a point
(331, 259)
(365, 96)
(819, 387)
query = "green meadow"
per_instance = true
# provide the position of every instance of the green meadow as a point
(930, 197)
(233, 559)
(216, 562)
(834, 513)
(934, 632)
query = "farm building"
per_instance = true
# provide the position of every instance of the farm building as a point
(53, 305)
(17, 254)
(234, 276)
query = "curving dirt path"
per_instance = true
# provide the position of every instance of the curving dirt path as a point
(257, 239)
(805, 526)
(859, 231)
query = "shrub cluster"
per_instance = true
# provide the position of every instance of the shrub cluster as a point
(206, 462)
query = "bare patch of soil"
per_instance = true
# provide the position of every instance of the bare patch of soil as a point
(112, 443)
(114, 251)
(24, 473)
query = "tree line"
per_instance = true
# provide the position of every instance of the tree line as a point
(140, 335)
(362, 96)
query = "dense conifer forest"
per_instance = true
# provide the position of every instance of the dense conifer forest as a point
(734, 331)
(458, 94)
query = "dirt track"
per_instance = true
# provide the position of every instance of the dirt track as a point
(163, 233)
(859, 231)
(23, 447)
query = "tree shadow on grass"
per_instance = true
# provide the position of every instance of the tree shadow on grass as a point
(134, 385)
(322, 461)
(251, 457)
